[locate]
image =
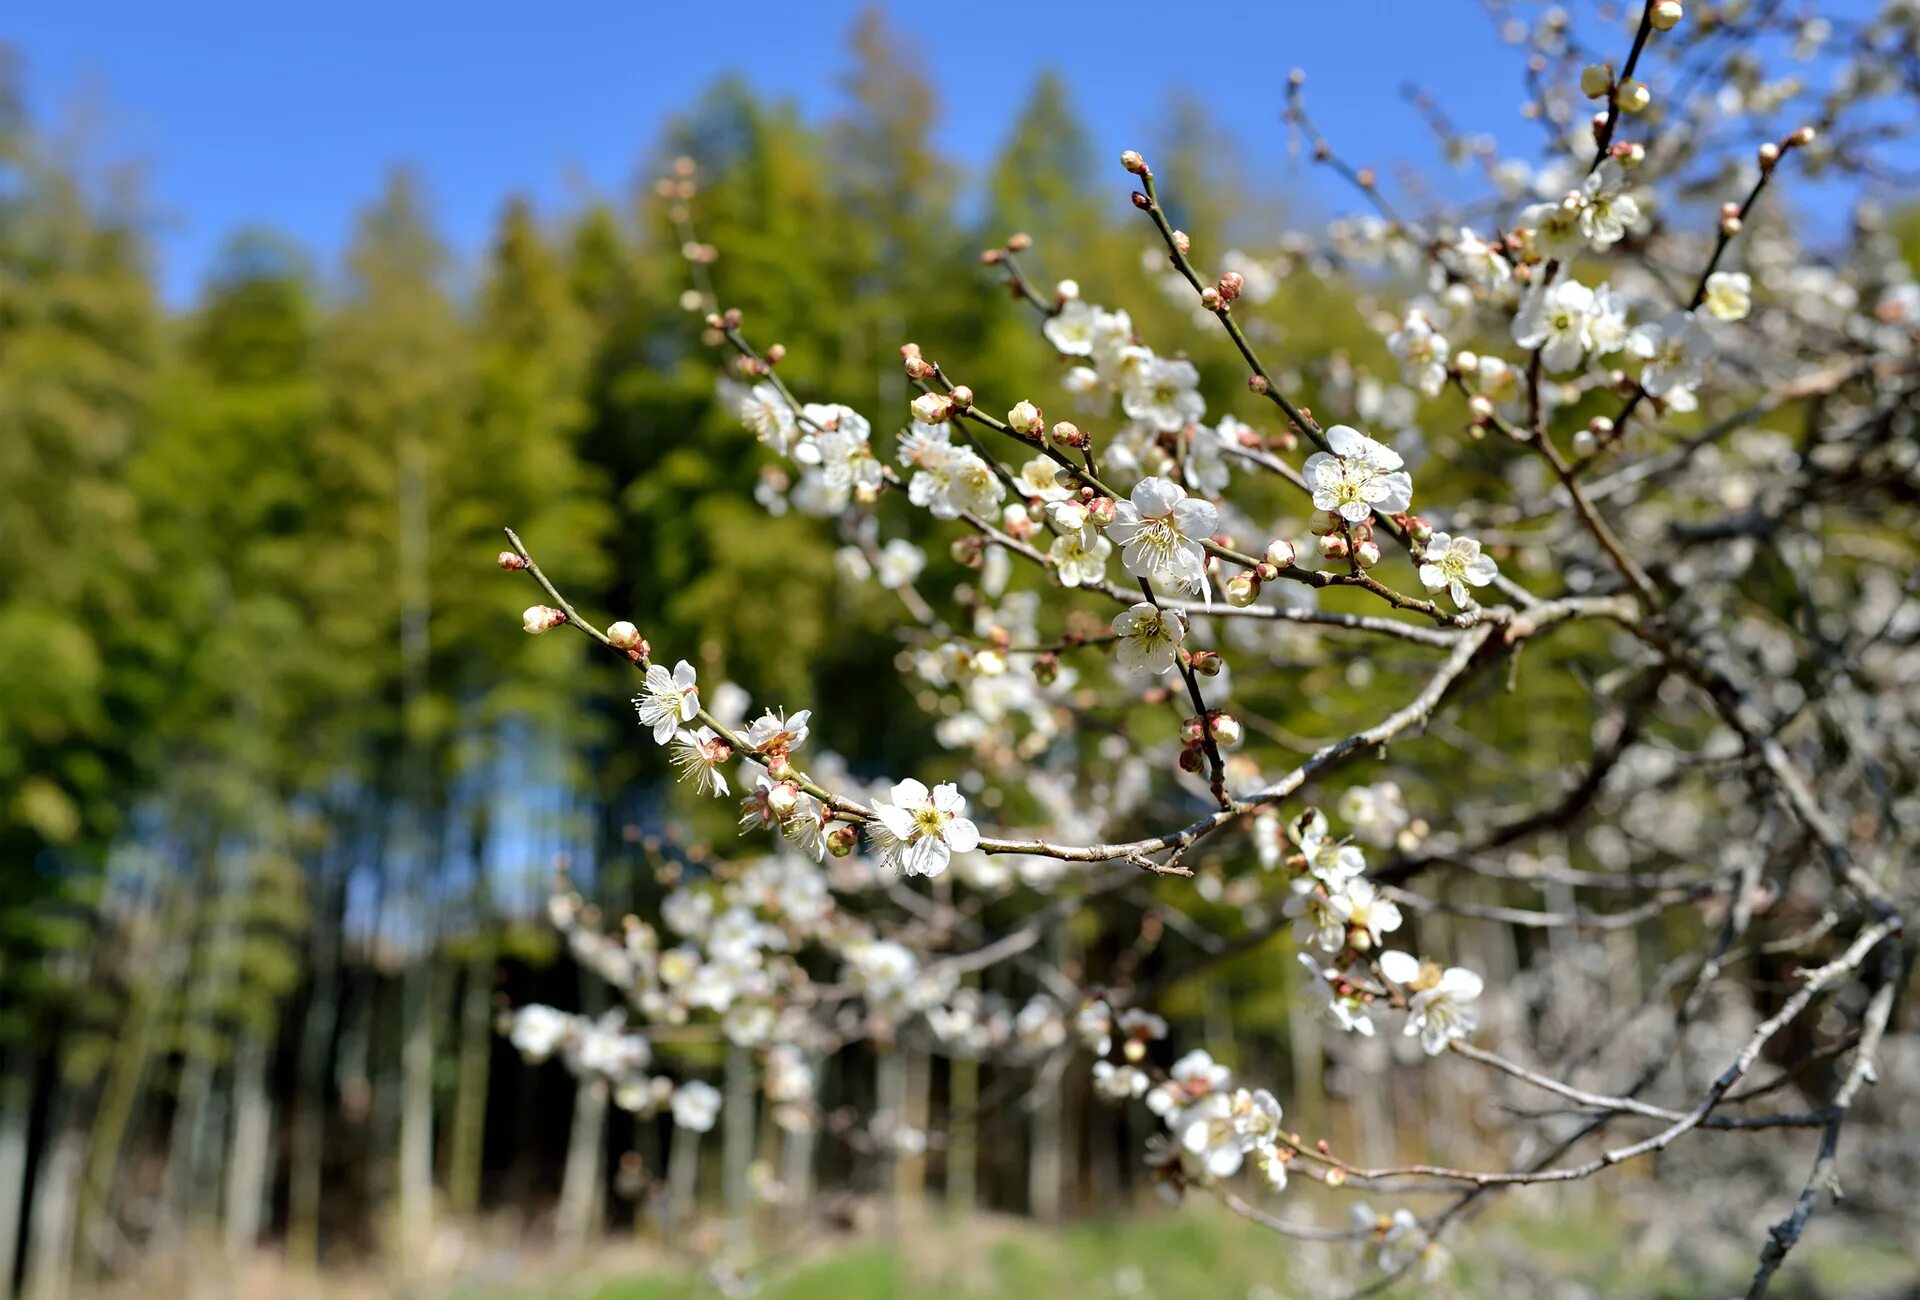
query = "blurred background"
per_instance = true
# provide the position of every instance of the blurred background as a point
(298, 306)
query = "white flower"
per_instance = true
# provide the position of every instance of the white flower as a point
(1112, 332)
(1158, 530)
(698, 755)
(1674, 347)
(1272, 1164)
(1555, 227)
(667, 699)
(900, 563)
(1150, 637)
(1482, 263)
(927, 826)
(1332, 862)
(1040, 479)
(1070, 329)
(1359, 476)
(1442, 1006)
(1422, 354)
(538, 1030)
(1163, 393)
(768, 417)
(1609, 209)
(1341, 1002)
(696, 1105)
(1606, 321)
(932, 408)
(1366, 913)
(1256, 1118)
(1455, 563)
(1317, 918)
(1553, 318)
(949, 480)
(1118, 1082)
(776, 730)
(1080, 556)
(1729, 295)
(842, 451)
(1207, 1136)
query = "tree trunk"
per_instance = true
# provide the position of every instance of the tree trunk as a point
(963, 1152)
(16, 1111)
(250, 1164)
(736, 1143)
(306, 1153)
(580, 1185)
(415, 1170)
(56, 1192)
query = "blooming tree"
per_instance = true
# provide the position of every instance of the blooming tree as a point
(1583, 445)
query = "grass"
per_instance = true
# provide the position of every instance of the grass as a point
(1204, 1251)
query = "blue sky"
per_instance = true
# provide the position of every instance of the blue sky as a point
(288, 114)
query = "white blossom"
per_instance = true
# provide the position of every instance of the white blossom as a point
(1422, 353)
(1729, 295)
(900, 563)
(1164, 393)
(1150, 637)
(1554, 319)
(696, 1105)
(1359, 476)
(1159, 530)
(927, 826)
(667, 699)
(1080, 556)
(1454, 564)
(698, 755)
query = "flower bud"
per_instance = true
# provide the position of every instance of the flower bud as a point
(510, 560)
(842, 840)
(1019, 242)
(1666, 15)
(962, 396)
(1634, 96)
(783, 799)
(1025, 418)
(1481, 406)
(1242, 590)
(1046, 668)
(1259, 384)
(1182, 242)
(1280, 552)
(969, 551)
(1067, 434)
(918, 369)
(1595, 79)
(992, 256)
(1266, 571)
(1207, 663)
(1631, 155)
(1730, 220)
(776, 353)
(1141, 201)
(1799, 139)
(1101, 510)
(538, 618)
(932, 408)
(1133, 162)
(1210, 299)
(1601, 427)
(1326, 522)
(1227, 731)
(1191, 759)
(1066, 291)
(731, 318)
(1192, 731)
(1231, 285)
(624, 635)
(1333, 546)
(1366, 554)
(1769, 155)
(1584, 443)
